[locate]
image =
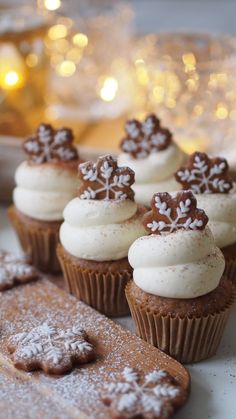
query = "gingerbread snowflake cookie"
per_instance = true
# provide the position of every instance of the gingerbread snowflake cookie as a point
(49, 145)
(104, 180)
(53, 349)
(145, 138)
(205, 175)
(146, 396)
(174, 212)
(14, 270)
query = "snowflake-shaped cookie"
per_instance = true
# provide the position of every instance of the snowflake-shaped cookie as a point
(151, 396)
(176, 212)
(105, 180)
(49, 145)
(14, 270)
(145, 138)
(205, 175)
(51, 348)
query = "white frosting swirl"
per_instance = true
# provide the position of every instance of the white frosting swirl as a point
(43, 191)
(100, 230)
(221, 210)
(154, 173)
(184, 264)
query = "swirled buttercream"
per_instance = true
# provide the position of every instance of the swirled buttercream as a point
(42, 191)
(154, 173)
(100, 230)
(184, 264)
(221, 210)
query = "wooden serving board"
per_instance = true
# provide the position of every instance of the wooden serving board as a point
(76, 395)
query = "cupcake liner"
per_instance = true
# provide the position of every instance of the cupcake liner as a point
(103, 291)
(186, 339)
(229, 253)
(39, 243)
(230, 269)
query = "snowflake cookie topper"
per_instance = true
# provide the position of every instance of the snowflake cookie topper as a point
(104, 180)
(15, 270)
(205, 175)
(53, 349)
(50, 145)
(174, 212)
(154, 395)
(144, 138)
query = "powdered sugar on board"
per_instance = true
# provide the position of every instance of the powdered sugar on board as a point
(26, 307)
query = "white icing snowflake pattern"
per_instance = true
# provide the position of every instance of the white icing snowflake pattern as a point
(49, 144)
(173, 212)
(153, 394)
(105, 180)
(14, 270)
(174, 224)
(205, 175)
(145, 138)
(51, 348)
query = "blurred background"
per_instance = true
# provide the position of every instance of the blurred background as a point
(91, 64)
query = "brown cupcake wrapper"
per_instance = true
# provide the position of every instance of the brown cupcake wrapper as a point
(186, 339)
(103, 291)
(39, 244)
(230, 269)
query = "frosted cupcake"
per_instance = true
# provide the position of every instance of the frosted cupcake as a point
(178, 298)
(148, 149)
(209, 180)
(45, 183)
(99, 227)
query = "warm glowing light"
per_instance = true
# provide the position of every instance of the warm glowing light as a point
(217, 80)
(52, 4)
(11, 80)
(80, 39)
(170, 103)
(221, 112)
(109, 89)
(189, 61)
(158, 94)
(197, 110)
(74, 54)
(232, 115)
(142, 75)
(190, 146)
(169, 81)
(139, 61)
(56, 59)
(61, 46)
(66, 68)
(192, 85)
(57, 32)
(31, 60)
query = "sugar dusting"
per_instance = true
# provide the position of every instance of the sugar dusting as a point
(80, 391)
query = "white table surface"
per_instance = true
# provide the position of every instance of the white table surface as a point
(213, 381)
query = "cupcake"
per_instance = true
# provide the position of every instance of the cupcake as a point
(148, 149)
(99, 227)
(209, 180)
(45, 183)
(178, 298)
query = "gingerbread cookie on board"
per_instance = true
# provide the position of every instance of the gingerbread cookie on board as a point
(154, 395)
(82, 392)
(15, 270)
(50, 348)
